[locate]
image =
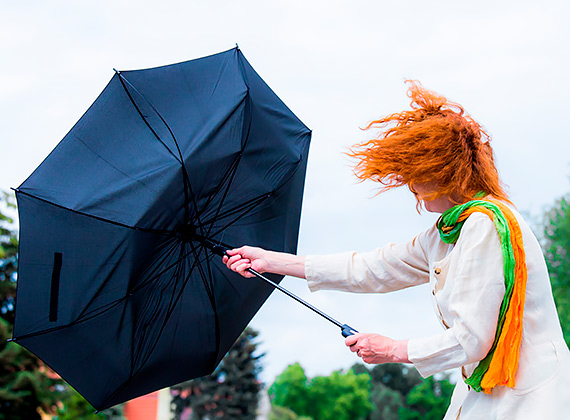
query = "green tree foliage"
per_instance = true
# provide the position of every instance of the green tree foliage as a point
(26, 387)
(390, 384)
(428, 400)
(556, 248)
(74, 407)
(231, 392)
(387, 403)
(283, 413)
(290, 389)
(338, 396)
(8, 258)
(396, 376)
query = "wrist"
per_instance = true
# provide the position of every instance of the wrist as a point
(284, 264)
(400, 351)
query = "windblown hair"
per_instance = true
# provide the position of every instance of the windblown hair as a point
(435, 142)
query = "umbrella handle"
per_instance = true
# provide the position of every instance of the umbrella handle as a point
(347, 330)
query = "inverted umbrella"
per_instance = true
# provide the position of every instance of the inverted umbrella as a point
(118, 288)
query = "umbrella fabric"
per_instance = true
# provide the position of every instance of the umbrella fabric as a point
(116, 291)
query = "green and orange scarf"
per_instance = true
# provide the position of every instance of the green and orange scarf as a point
(500, 364)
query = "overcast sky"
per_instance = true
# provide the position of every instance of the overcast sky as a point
(337, 65)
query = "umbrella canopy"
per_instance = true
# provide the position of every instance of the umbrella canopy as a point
(117, 291)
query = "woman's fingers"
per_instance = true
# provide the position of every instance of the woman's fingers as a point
(236, 262)
(351, 340)
(242, 258)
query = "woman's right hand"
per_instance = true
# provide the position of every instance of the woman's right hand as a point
(240, 259)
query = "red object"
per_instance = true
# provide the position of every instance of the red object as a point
(142, 408)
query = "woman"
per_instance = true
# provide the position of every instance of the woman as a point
(485, 268)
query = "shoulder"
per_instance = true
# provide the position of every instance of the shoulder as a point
(479, 229)
(430, 242)
(478, 220)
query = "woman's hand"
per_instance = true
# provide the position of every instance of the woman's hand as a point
(240, 259)
(263, 261)
(375, 348)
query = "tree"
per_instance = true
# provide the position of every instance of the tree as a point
(338, 396)
(231, 392)
(290, 389)
(26, 385)
(428, 400)
(556, 246)
(283, 413)
(387, 403)
(74, 406)
(8, 259)
(396, 376)
(390, 384)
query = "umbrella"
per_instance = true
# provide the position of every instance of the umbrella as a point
(120, 290)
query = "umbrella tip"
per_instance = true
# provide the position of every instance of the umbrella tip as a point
(237, 46)
(116, 71)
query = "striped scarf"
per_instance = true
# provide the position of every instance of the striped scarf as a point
(500, 364)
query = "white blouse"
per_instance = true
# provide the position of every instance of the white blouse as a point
(467, 284)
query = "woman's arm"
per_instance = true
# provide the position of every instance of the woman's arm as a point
(372, 348)
(262, 261)
(390, 268)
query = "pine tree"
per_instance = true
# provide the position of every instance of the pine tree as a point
(8, 258)
(231, 392)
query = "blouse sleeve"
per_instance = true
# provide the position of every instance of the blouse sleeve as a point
(474, 288)
(392, 267)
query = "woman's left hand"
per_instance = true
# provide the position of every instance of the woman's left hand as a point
(375, 348)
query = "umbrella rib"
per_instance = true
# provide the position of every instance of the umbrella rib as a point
(157, 273)
(230, 179)
(250, 204)
(209, 287)
(137, 350)
(92, 315)
(92, 216)
(180, 158)
(135, 373)
(238, 208)
(169, 246)
(122, 79)
(151, 274)
(86, 316)
(212, 302)
(230, 173)
(167, 317)
(173, 301)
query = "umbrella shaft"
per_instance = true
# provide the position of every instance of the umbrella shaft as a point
(297, 298)
(220, 250)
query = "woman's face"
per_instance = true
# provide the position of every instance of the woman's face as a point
(438, 205)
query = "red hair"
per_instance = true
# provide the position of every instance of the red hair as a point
(435, 142)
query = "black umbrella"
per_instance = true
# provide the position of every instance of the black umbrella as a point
(118, 288)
